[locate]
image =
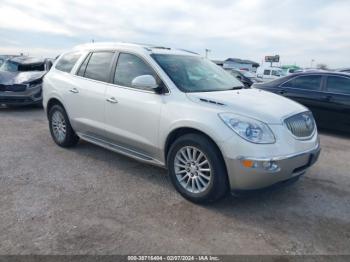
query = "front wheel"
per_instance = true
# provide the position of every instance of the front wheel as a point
(60, 128)
(197, 169)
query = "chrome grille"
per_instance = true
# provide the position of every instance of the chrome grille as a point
(301, 125)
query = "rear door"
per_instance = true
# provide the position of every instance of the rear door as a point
(338, 99)
(89, 88)
(307, 90)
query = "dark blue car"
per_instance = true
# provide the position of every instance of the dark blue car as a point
(325, 93)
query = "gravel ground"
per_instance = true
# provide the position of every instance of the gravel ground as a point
(88, 200)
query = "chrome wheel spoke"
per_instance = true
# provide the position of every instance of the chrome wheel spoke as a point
(183, 178)
(204, 176)
(203, 163)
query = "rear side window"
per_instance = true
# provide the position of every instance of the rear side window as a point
(267, 72)
(305, 82)
(338, 85)
(67, 62)
(98, 67)
(130, 66)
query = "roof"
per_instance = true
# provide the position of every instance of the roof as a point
(320, 72)
(148, 48)
(242, 61)
(343, 69)
(23, 60)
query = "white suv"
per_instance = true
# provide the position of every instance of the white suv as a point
(175, 109)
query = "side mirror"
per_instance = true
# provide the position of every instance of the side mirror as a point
(239, 78)
(144, 82)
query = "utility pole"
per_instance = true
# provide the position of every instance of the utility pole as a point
(207, 52)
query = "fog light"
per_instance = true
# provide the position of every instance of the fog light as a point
(270, 165)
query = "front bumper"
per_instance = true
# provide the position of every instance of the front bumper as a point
(250, 173)
(27, 97)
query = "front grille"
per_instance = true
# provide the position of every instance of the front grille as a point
(301, 125)
(13, 88)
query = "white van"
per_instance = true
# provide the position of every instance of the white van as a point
(270, 73)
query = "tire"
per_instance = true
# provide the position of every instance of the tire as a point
(189, 176)
(60, 128)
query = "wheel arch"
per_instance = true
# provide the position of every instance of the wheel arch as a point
(180, 131)
(51, 102)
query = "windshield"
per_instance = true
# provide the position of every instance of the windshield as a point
(196, 74)
(11, 66)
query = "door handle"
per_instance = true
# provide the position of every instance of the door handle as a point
(112, 100)
(74, 90)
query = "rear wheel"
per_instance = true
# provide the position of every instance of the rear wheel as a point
(197, 169)
(60, 128)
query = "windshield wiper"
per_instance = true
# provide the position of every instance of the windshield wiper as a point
(236, 87)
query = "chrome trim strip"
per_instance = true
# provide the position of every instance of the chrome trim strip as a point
(120, 149)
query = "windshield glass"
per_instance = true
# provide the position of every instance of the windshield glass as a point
(9, 66)
(196, 74)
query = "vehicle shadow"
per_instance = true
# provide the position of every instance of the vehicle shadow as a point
(335, 133)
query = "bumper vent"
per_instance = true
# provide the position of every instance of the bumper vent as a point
(301, 125)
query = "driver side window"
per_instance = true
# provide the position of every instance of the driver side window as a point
(130, 66)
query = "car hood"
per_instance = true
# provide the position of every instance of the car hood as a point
(11, 78)
(261, 105)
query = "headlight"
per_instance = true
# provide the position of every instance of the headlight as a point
(250, 129)
(35, 83)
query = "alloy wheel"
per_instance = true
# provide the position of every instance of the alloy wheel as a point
(59, 126)
(192, 169)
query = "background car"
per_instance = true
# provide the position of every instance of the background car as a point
(290, 69)
(246, 77)
(326, 94)
(271, 73)
(21, 80)
(344, 70)
(3, 58)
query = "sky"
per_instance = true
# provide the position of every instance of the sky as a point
(298, 30)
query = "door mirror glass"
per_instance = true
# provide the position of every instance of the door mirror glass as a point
(144, 81)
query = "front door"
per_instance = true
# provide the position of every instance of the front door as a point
(132, 115)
